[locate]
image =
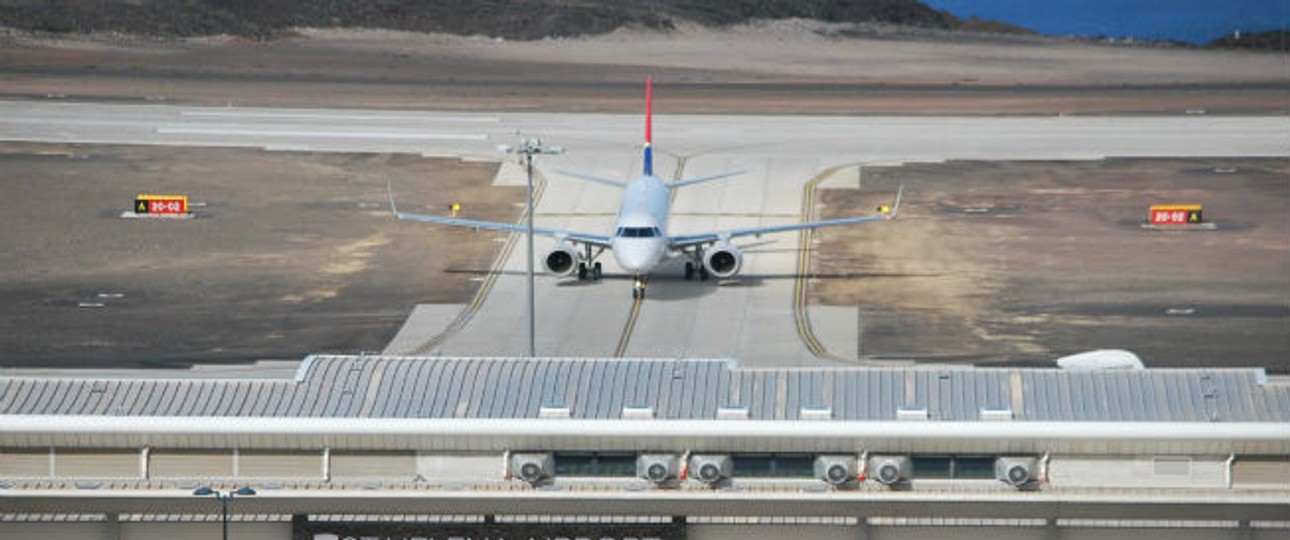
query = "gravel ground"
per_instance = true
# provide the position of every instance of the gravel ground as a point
(1025, 261)
(289, 253)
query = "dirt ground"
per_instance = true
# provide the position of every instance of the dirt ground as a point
(781, 67)
(1027, 261)
(289, 253)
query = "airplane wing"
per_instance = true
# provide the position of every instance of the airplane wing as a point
(684, 241)
(572, 236)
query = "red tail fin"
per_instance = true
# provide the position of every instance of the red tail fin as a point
(649, 126)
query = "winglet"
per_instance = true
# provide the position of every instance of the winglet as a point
(891, 211)
(389, 191)
(649, 126)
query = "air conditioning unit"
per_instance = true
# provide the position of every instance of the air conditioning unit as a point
(711, 469)
(533, 468)
(659, 469)
(839, 470)
(890, 470)
(1018, 472)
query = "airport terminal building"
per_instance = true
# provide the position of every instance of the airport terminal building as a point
(440, 447)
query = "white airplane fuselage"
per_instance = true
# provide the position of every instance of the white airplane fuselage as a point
(640, 241)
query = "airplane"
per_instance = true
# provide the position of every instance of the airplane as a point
(640, 241)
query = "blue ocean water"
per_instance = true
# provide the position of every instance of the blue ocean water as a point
(1194, 21)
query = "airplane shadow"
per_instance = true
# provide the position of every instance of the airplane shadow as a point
(668, 282)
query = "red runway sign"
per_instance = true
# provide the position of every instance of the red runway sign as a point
(161, 204)
(1173, 214)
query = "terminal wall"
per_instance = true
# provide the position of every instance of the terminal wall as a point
(1138, 471)
(750, 531)
(322, 466)
(171, 531)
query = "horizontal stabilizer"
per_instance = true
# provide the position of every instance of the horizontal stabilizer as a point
(596, 179)
(689, 181)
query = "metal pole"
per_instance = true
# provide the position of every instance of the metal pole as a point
(528, 148)
(223, 499)
(528, 158)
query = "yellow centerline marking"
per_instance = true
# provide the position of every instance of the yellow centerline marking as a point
(464, 317)
(630, 326)
(801, 285)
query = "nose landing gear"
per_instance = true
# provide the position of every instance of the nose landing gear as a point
(638, 287)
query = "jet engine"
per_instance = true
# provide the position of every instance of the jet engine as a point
(562, 260)
(723, 260)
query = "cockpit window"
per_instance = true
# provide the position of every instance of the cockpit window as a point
(638, 232)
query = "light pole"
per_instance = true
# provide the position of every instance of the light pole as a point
(224, 497)
(528, 148)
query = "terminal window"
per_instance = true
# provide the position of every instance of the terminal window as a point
(954, 467)
(774, 465)
(595, 464)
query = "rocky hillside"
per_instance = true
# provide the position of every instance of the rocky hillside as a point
(510, 19)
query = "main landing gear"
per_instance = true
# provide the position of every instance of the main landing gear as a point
(696, 266)
(594, 270)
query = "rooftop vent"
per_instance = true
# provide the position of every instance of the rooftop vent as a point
(911, 414)
(816, 414)
(996, 415)
(732, 413)
(555, 412)
(638, 413)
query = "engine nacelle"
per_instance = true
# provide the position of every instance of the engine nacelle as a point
(562, 260)
(723, 260)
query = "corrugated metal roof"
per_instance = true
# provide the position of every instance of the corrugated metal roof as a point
(499, 388)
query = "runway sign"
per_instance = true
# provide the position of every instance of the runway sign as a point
(1174, 214)
(161, 204)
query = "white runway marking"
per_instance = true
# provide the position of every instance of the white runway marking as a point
(322, 115)
(317, 133)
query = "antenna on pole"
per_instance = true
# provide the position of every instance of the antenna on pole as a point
(527, 149)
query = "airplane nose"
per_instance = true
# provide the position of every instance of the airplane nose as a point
(631, 262)
(633, 258)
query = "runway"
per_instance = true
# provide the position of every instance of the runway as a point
(754, 318)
